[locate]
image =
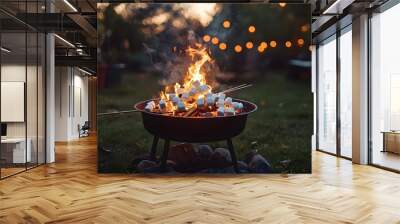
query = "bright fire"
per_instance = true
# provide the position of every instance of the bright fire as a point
(194, 85)
(193, 96)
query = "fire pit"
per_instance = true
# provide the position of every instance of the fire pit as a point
(189, 111)
(194, 129)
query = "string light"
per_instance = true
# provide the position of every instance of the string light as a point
(304, 28)
(222, 46)
(272, 44)
(288, 44)
(215, 40)
(249, 45)
(264, 44)
(226, 24)
(300, 42)
(252, 29)
(238, 48)
(206, 38)
(261, 49)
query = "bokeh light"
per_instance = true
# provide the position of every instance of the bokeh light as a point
(288, 44)
(304, 28)
(272, 44)
(261, 49)
(215, 40)
(226, 24)
(264, 44)
(206, 38)
(282, 4)
(249, 45)
(252, 29)
(238, 48)
(222, 46)
(300, 42)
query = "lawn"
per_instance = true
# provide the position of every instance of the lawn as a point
(280, 129)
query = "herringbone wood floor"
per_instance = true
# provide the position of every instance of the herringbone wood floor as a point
(70, 191)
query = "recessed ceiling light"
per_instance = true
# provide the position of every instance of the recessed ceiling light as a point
(64, 40)
(70, 5)
(5, 50)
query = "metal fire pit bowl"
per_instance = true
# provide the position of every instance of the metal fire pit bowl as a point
(194, 129)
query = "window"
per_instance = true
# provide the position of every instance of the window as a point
(346, 92)
(385, 89)
(327, 96)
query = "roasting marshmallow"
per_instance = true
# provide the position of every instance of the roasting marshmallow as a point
(162, 104)
(196, 83)
(185, 96)
(210, 100)
(181, 106)
(221, 96)
(237, 106)
(221, 111)
(228, 101)
(229, 111)
(200, 102)
(150, 106)
(220, 103)
(170, 96)
(175, 100)
(192, 91)
(203, 88)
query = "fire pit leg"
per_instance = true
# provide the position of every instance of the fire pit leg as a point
(233, 155)
(154, 148)
(164, 155)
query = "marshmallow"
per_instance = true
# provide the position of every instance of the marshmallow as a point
(203, 88)
(228, 101)
(185, 96)
(220, 103)
(237, 106)
(150, 106)
(221, 96)
(230, 111)
(221, 111)
(210, 100)
(181, 106)
(162, 104)
(196, 83)
(192, 92)
(200, 102)
(175, 100)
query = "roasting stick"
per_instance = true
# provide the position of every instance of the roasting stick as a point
(118, 112)
(237, 88)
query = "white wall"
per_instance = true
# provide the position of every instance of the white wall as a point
(71, 102)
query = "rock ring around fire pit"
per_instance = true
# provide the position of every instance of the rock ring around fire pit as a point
(194, 129)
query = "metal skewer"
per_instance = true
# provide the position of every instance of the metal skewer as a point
(118, 112)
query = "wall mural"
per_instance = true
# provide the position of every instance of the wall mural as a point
(204, 88)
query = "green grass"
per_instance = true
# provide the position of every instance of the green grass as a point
(281, 127)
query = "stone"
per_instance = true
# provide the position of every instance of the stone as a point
(259, 164)
(204, 151)
(147, 166)
(184, 157)
(250, 155)
(221, 158)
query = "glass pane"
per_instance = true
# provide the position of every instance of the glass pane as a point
(41, 99)
(327, 97)
(13, 86)
(31, 97)
(346, 94)
(385, 92)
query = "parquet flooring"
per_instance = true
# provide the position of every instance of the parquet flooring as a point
(71, 191)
